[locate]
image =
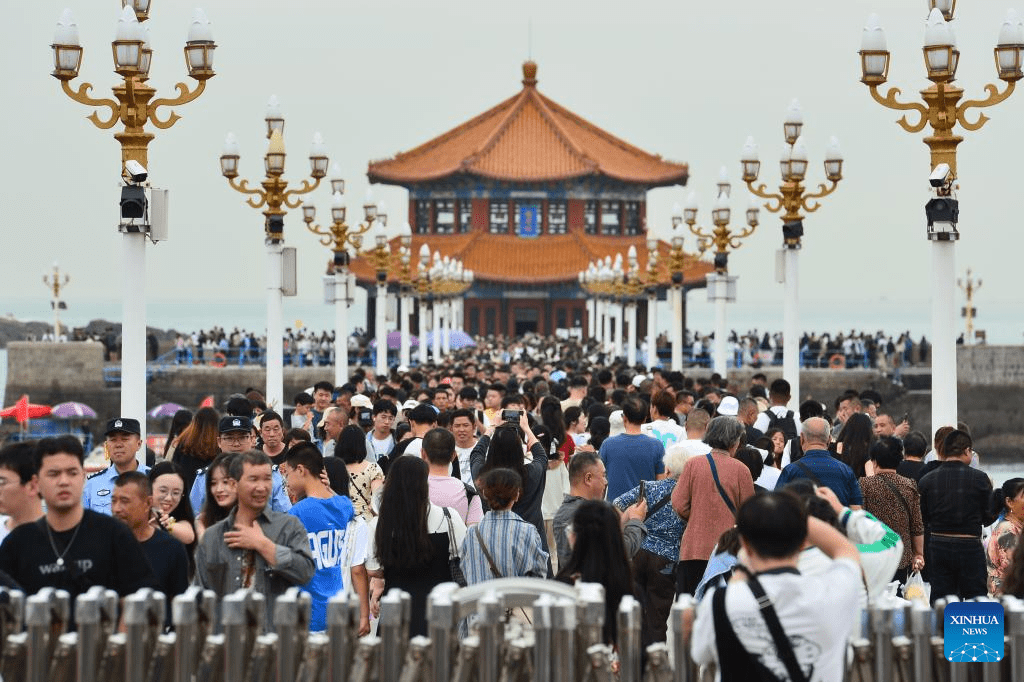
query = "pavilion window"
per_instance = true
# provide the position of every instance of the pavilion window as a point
(423, 212)
(499, 217)
(561, 318)
(444, 216)
(611, 217)
(590, 217)
(557, 217)
(632, 224)
(490, 321)
(474, 321)
(465, 215)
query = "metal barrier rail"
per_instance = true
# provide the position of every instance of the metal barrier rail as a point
(564, 643)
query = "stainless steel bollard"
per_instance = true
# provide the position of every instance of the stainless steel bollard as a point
(543, 653)
(589, 619)
(46, 615)
(442, 619)
(466, 662)
(630, 654)
(364, 666)
(491, 633)
(917, 624)
(143, 619)
(416, 667)
(658, 668)
(242, 616)
(683, 613)
(161, 668)
(1015, 629)
(393, 631)
(880, 625)
(62, 667)
(563, 641)
(12, 612)
(263, 665)
(292, 611)
(861, 669)
(599, 664)
(193, 613)
(211, 660)
(516, 666)
(314, 663)
(901, 659)
(95, 622)
(341, 612)
(112, 663)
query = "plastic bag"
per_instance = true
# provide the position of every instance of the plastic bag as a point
(916, 588)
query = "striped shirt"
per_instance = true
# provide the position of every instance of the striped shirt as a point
(513, 543)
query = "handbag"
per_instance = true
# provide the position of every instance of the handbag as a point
(454, 561)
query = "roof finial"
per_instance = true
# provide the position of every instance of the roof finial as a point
(529, 73)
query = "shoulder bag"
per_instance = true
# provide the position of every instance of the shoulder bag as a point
(718, 484)
(454, 561)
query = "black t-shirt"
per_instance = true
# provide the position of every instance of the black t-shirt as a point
(103, 553)
(169, 561)
(910, 468)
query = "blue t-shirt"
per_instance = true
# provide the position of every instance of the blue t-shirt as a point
(829, 471)
(325, 521)
(630, 459)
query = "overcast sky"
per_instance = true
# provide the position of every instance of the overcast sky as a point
(686, 80)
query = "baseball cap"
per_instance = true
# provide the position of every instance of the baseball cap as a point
(729, 406)
(638, 380)
(410, 404)
(360, 400)
(229, 424)
(123, 425)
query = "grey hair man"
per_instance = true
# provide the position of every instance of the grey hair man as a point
(821, 467)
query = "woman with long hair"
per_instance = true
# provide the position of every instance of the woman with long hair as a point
(364, 477)
(778, 446)
(181, 419)
(197, 445)
(412, 541)
(560, 449)
(853, 446)
(599, 556)
(221, 494)
(1008, 501)
(502, 448)
(171, 500)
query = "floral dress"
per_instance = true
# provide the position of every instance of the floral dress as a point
(999, 551)
(360, 490)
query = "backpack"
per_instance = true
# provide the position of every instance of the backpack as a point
(787, 423)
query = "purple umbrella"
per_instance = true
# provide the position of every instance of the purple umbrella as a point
(73, 410)
(459, 339)
(164, 410)
(395, 341)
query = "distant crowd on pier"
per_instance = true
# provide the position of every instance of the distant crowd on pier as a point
(526, 459)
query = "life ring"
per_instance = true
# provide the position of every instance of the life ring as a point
(218, 360)
(837, 361)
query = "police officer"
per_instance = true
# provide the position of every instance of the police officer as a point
(236, 435)
(124, 438)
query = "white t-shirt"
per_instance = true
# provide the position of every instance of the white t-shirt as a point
(464, 468)
(667, 431)
(436, 523)
(763, 422)
(817, 613)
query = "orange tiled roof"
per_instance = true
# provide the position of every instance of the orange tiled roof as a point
(549, 259)
(528, 138)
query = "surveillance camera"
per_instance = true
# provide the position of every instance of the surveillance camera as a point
(940, 175)
(135, 170)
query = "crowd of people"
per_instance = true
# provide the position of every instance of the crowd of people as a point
(652, 484)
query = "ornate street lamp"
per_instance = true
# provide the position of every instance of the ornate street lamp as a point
(942, 110)
(275, 198)
(340, 238)
(721, 287)
(792, 201)
(133, 107)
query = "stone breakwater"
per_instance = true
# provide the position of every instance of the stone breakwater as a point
(991, 386)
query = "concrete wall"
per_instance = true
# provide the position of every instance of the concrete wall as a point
(990, 365)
